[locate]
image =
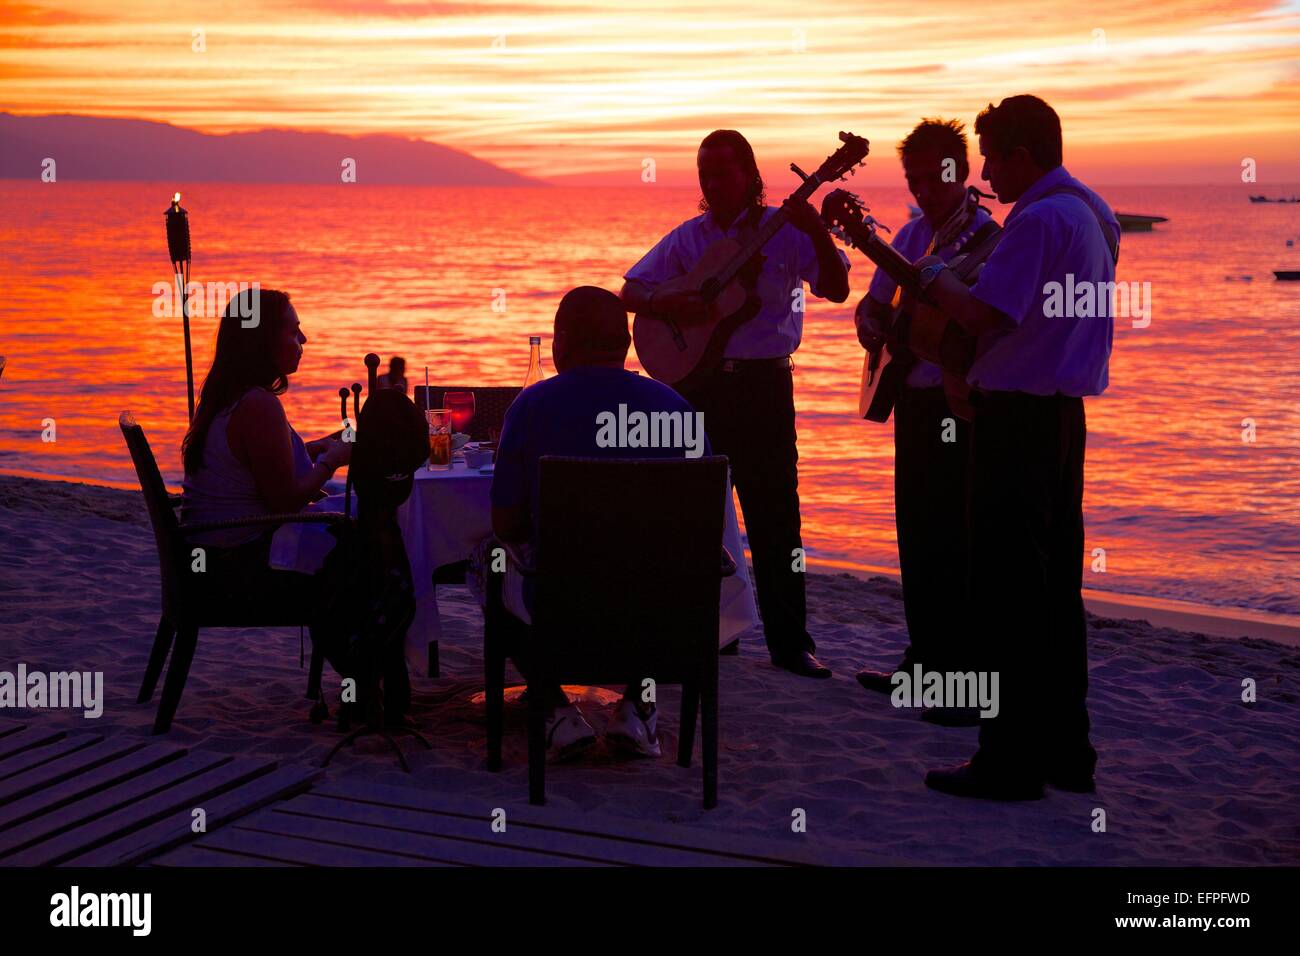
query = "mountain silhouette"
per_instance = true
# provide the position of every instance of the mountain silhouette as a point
(91, 147)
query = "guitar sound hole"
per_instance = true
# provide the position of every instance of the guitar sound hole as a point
(709, 291)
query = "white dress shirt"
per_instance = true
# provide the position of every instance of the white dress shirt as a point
(1044, 240)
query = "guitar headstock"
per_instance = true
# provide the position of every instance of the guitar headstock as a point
(853, 153)
(848, 218)
(843, 208)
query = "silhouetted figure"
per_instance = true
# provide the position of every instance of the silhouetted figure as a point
(748, 404)
(931, 443)
(558, 416)
(395, 377)
(1032, 369)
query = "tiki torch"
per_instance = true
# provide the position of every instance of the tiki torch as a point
(178, 248)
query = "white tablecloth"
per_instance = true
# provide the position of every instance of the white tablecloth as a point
(448, 514)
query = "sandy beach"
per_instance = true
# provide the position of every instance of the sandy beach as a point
(1188, 773)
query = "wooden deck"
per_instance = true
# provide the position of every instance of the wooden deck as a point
(374, 825)
(86, 800)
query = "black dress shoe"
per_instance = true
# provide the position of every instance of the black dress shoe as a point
(967, 781)
(803, 664)
(952, 716)
(883, 681)
(879, 681)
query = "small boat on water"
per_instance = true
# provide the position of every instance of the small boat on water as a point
(1279, 199)
(1289, 276)
(1133, 222)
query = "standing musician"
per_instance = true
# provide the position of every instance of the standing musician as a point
(931, 443)
(748, 403)
(1032, 368)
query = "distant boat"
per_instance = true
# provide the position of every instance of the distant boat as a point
(1293, 276)
(1279, 199)
(1132, 222)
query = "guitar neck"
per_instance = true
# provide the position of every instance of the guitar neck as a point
(906, 275)
(765, 232)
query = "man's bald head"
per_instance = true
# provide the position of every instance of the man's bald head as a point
(590, 329)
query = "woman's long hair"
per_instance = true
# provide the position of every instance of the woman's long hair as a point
(743, 152)
(244, 359)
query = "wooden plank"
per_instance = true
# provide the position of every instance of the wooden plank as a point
(95, 803)
(25, 738)
(578, 846)
(67, 842)
(116, 771)
(277, 848)
(80, 761)
(425, 847)
(176, 828)
(734, 846)
(206, 856)
(28, 760)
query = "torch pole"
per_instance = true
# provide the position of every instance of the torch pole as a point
(178, 249)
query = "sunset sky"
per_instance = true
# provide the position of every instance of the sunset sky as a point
(1160, 91)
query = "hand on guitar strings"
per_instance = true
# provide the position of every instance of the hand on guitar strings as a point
(801, 215)
(868, 319)
(684, 304)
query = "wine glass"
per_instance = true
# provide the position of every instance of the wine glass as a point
(461, 405)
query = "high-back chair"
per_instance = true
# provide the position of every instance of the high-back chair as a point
(628, 577)
(490, 404)
(186, 604)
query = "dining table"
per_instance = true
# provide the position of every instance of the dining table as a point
(445, 518)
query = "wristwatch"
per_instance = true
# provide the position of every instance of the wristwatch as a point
(930, 273)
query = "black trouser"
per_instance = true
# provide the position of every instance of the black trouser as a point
(1026, 527)
(930, 511)
(749, 417)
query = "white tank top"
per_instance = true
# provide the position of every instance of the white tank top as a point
(224, 487)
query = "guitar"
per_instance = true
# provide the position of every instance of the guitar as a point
(676, 351)
(918, 327)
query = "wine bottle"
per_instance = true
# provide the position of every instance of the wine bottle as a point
(535, 373)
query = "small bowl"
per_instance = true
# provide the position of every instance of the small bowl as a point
(478, 457)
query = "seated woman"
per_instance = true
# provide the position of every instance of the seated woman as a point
(242, 457)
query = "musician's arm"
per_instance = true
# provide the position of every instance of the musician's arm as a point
(636, 295)
(832, 276)
(958, 303)
(871, 318)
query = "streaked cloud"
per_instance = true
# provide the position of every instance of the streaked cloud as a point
(556, 89)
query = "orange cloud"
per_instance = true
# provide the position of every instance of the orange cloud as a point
(557, 89)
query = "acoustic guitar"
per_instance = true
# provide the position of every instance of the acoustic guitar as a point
(917, 326)
(675, 350)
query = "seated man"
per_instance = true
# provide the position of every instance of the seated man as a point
(557, 416)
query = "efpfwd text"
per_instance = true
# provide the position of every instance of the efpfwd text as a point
(75, 689)
(102, 909)
(651, 430)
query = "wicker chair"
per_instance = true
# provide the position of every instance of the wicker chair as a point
(628, 580)
(186, 607)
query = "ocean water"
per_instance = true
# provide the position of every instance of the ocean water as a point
(1183, 506)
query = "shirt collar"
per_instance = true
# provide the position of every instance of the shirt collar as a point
(1035, 192)
(735, 223)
